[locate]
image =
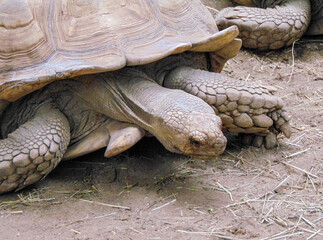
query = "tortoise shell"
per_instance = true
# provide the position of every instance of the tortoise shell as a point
(42, 41)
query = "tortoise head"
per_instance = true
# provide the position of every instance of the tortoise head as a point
(192, 128)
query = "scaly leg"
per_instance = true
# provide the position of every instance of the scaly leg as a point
(270, 28)
(34, 149)
(243, 107)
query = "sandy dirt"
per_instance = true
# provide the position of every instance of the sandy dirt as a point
(149, 193)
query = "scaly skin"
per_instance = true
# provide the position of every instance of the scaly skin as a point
(33, 150)
(181, 122)
(243, 107)
(270, 28)
(65, 112)
(73, 109)
(316, 24)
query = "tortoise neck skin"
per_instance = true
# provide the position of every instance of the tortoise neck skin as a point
(181, 122)
(158, 70)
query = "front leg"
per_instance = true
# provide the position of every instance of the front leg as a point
(245, 108)
(33, 150)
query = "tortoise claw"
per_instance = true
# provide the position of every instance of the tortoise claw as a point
(269, 141)
(258, 141)
(286, 129)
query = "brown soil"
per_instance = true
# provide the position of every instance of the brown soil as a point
(149, 193)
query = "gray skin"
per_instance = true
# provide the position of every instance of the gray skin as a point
(273, 24)
(42, 128)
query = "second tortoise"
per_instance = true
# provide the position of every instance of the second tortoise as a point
(270, 24)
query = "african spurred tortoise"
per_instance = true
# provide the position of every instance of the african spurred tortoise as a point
(117, 53)
(270, 24)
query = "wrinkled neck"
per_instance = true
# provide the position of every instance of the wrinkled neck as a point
(158, 70)
(127, 95)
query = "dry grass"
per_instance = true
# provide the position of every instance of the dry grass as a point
(247, 193)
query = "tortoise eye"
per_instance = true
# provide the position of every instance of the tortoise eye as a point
(194, 142)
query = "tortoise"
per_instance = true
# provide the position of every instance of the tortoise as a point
(270, 24)
(76, 76)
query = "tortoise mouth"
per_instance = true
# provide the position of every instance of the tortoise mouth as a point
(203, 150)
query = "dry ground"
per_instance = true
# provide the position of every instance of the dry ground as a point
(149, 193)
